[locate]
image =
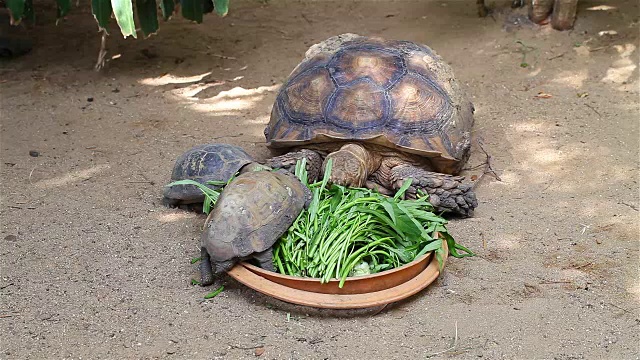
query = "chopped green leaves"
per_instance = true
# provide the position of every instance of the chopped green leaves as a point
(210, 195)
(346, 229)
(214, 293)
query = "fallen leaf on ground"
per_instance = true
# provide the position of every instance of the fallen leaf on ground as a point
(543, 95)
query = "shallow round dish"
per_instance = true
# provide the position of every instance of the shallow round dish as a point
(352, 285)
(429, 274)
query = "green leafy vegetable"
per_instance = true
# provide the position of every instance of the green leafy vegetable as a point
(168, 7)
(210, 195)
(353, 231)
(214, 293)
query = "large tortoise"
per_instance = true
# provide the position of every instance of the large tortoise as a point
(384, 111)
(253, 212)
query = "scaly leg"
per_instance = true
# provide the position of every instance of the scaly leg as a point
(206, 272)
(446, 192)
(288, 162)
(564, 14)
(539, 10)
(352, 165)
(265, 259)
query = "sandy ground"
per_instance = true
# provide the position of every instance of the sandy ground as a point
(93, 266)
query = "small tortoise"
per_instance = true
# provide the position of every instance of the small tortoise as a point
(254, 210)
(203, 163)
(384, 111)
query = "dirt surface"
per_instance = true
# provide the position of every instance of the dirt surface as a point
(93, 266)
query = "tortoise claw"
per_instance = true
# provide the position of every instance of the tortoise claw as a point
(446, 193)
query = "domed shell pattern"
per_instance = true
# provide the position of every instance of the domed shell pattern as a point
(396, 94)
(252, 213)
(203, 163)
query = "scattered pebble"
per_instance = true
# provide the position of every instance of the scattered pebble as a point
(608, 32)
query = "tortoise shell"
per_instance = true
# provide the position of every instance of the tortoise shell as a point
(252, 213)
(397, 94)
(203, 163)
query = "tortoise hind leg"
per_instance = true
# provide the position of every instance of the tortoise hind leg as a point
(446, 193)
(265, 259)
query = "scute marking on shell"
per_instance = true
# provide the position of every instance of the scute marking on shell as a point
(265, 215)
(415, 60)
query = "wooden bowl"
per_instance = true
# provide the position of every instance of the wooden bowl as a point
(352, 285)
(296, 290)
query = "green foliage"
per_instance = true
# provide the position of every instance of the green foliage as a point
(349, 231)
(146, 12)
(63, 8)
(192, 10)
(101, 10)
(29, 14)
(167, 7)
(123, 11)
(16, 7)
(147, 16)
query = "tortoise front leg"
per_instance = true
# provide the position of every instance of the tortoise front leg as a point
(447, 193)
(539, 10)
(206, 271)
(265, 259)
(288, 162)
(564, 14)
(482, 8)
